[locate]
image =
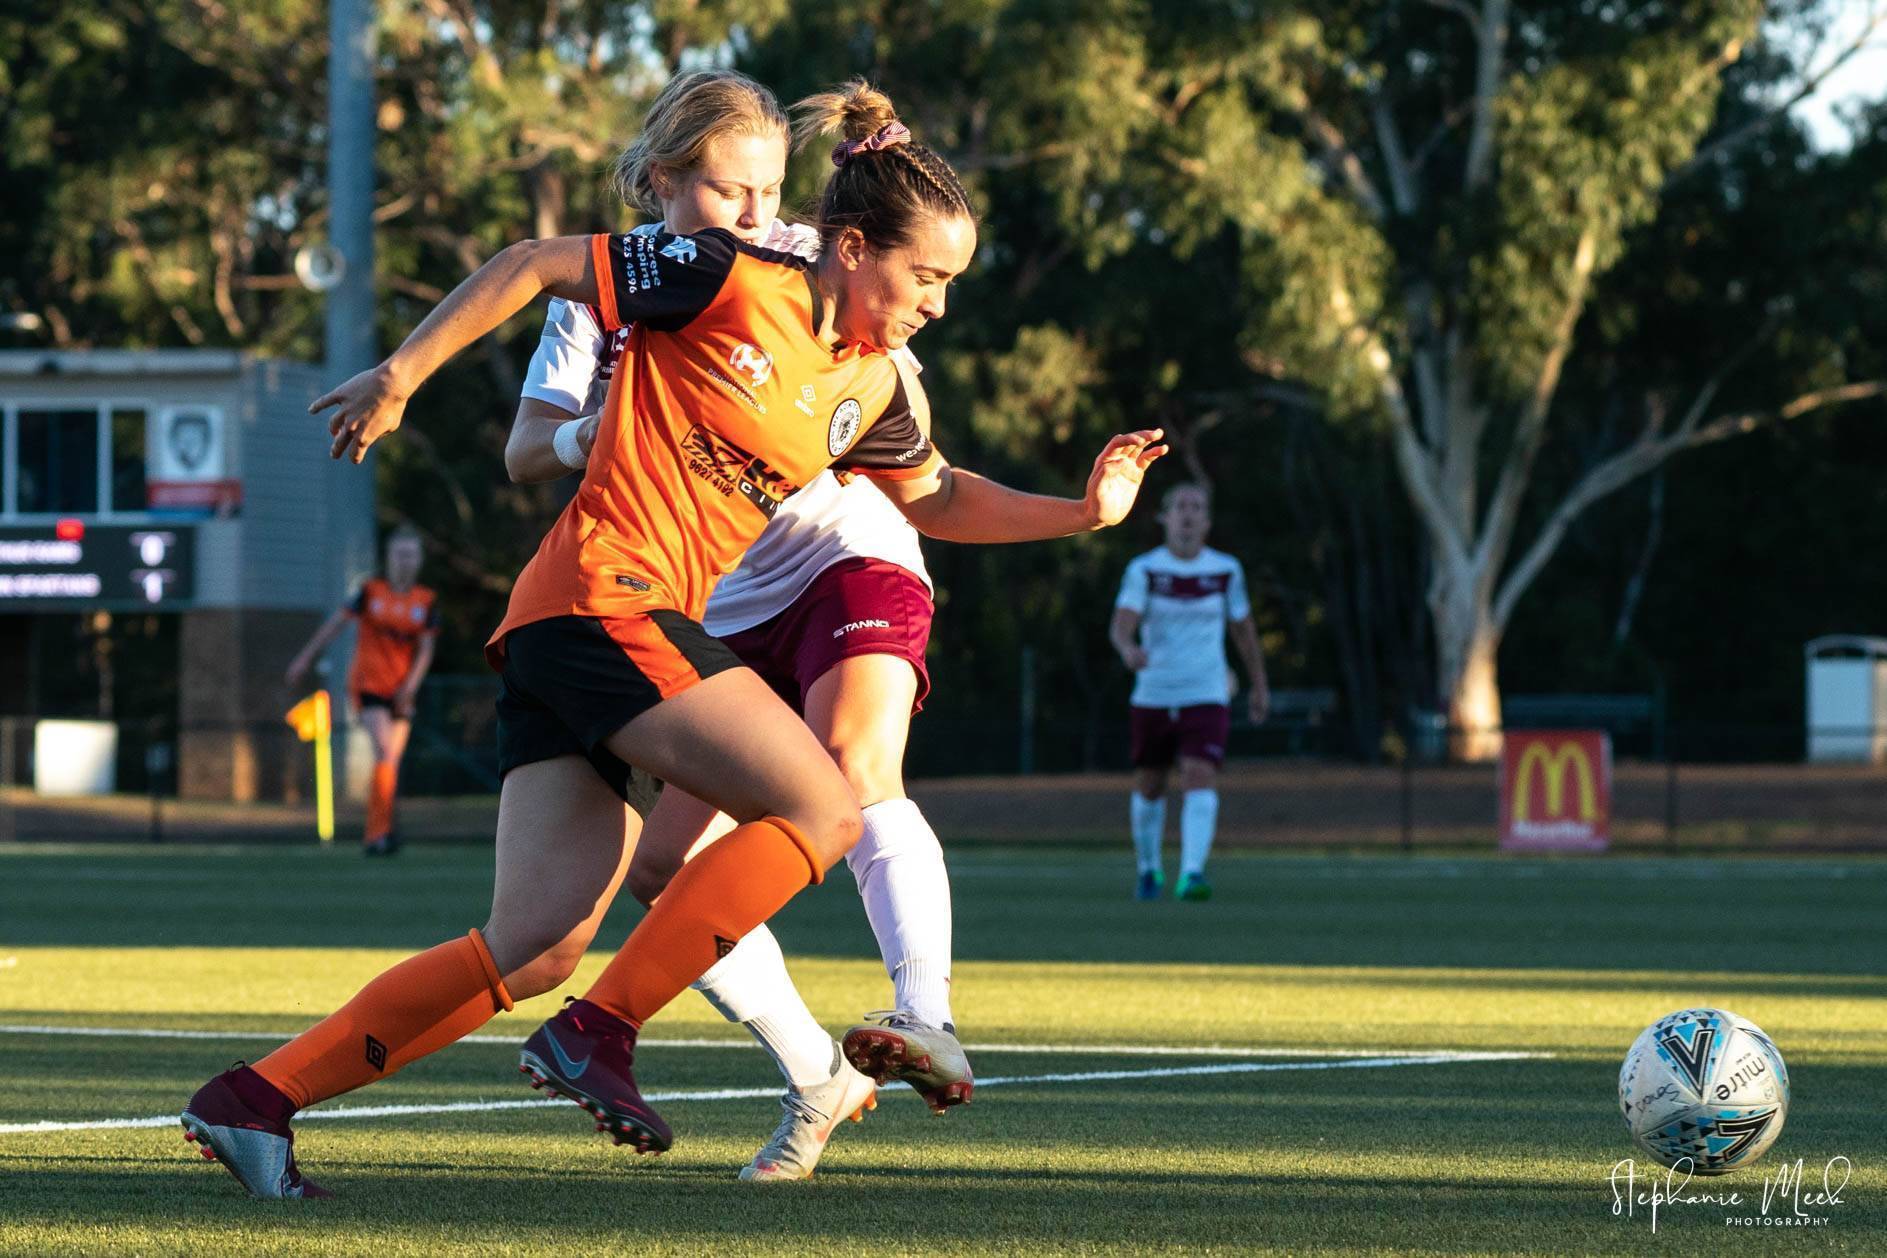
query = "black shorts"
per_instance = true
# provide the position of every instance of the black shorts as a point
(571, 681)
(363, 701)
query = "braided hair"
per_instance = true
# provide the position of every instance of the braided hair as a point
(885, 180)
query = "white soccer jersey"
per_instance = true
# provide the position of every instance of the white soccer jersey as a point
(1184, 606)
(822, 524)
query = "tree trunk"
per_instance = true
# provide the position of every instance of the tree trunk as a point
(1467, 645)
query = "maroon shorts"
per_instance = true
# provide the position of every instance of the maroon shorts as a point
(1161, 735)
(855, 607)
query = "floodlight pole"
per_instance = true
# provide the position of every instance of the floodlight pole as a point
(350, 314)
(351, 346)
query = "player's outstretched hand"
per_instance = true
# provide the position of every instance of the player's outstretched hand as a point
(1118, 471)
(367, 408)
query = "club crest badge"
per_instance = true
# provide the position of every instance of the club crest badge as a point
(845, 421)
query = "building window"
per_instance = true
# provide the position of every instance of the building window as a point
(127, 460)
(57, 470)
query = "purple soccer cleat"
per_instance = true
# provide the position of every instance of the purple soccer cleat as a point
(587, 1053)
(240, 1120)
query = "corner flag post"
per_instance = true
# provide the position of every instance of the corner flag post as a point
(313, 722)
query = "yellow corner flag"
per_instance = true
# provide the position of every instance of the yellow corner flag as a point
(313, 721)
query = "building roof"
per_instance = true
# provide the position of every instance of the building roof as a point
(121, 362)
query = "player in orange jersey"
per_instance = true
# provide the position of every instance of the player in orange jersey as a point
(396, 620)
(609, 682)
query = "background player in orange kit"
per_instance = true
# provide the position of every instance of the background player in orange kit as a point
(609, 680)
(396, 621)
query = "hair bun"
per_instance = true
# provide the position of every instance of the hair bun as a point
(855, 111)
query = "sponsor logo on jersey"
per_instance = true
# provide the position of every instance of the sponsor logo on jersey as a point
(636, 268)
(753, 362)
(1172, 585)
(844, 427)
(737, 389)
(680, 248)
(731, 470)
(842, 630)
(807, 400)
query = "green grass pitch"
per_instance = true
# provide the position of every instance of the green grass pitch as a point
(1341, 1086)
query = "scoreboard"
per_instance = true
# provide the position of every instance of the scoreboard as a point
(75, 565)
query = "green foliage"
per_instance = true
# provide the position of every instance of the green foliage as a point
(1225, 217)
(1586, 148)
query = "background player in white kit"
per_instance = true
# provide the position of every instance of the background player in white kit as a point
(1176, 603)
(831, 605)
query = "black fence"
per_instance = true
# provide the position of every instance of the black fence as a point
(1674, 787)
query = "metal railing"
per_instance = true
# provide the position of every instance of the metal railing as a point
(1717, 787)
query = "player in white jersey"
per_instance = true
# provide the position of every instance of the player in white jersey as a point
(1176, 603)
(832, 606)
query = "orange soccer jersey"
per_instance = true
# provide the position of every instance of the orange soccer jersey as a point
(726, 405)
(391, 626)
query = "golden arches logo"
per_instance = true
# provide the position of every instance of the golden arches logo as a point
(1554, 764)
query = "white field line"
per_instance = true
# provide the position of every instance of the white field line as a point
(1058, 1050)
(742, 1094)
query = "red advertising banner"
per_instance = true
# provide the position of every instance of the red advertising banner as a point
(195, 497)
(1556, 790)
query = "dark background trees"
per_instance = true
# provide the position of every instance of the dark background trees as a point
(1275, 230)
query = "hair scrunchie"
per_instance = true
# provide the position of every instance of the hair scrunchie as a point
(883, 138)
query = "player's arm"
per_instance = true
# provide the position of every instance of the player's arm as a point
(953, 505)
(1245, 638)
(408, 693)
(1124, 633)
(532, 453)
(626, 277)
(550, 438)
(304, 659)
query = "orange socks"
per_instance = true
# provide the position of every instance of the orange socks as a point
(386, 779)
(418, 1007)
(736, 883)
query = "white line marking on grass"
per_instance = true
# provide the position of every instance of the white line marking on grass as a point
(747, 1094)
(1059, 1050)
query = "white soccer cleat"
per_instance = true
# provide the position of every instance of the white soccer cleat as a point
(900, 1045)
(812, 1115)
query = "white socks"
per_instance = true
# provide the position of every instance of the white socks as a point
(750, 986)
(1198, 818)
(899, 867)
(1149, 823)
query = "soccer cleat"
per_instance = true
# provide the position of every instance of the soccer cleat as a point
(812, 1115)
(240, 1120)
(1150, 885)
(1194, 887)
(900, 1046)
(376, 847)
(586, 1054)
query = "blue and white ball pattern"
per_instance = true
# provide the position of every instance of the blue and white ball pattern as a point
(1704, 1085)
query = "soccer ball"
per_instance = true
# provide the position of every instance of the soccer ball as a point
(1706, 1085)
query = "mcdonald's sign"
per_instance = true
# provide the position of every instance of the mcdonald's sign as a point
(1556, 790)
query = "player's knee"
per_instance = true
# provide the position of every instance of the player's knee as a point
(833, 828)
(646, 881)
(536, 961)
(870, 772)
(1198, 776)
